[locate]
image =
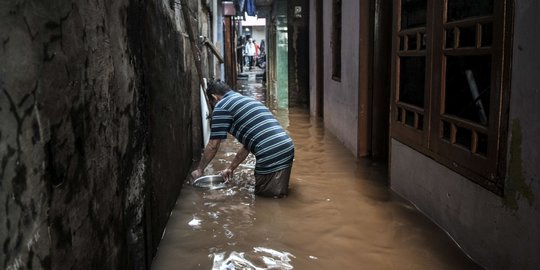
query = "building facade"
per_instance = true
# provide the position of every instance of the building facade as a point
(448, 91)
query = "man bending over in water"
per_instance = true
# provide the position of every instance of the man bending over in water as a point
(249, 121)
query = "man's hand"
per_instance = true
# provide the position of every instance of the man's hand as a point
(195, 174)
(208, 154)
(227, 174)
(239, 158)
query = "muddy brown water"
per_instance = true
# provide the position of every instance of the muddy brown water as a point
(340, 214)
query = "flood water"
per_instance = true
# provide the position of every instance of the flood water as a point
(340, 214)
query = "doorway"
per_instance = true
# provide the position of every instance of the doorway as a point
(374, 73)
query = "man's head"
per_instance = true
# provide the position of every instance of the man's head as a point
(216, 90)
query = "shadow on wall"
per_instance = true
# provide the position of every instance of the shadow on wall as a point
(95, 134)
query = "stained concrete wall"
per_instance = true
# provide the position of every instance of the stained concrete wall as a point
(497, 232)
(217, 34)
(168, 83)
(298, 37)
(341, 97)
(95, 131)
(312, 69)
(278, 56)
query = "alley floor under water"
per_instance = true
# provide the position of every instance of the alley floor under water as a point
(340, 214)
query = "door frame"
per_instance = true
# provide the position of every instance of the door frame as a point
(375, 50)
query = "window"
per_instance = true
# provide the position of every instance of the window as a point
(336, 40)
(450, 83)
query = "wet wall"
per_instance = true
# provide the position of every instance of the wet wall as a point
(298, 46)
(168, 82)
(95, 135)
(282, 55)
(499, 232)
(341, 100)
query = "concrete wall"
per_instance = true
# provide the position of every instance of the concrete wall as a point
(341, 98)
(259, 33)
(281, 55)
(168, 81)
(298, 36)
(95, 131)
(218, 38)
(312, 69)
(498, 232)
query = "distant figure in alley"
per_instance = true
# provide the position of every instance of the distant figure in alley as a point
(249, 121)
(250, 50)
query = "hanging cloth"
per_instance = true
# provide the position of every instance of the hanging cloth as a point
(250, 7)
(240, 7)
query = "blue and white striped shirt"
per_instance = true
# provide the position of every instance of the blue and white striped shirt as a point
(249, 121)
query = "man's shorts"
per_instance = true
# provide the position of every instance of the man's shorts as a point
(275, 184)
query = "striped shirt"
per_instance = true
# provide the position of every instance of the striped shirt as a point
(255, 127)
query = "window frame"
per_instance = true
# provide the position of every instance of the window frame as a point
(489, 170)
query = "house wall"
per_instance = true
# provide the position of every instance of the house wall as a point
(497, 232)
(259, 33)
(218, 38)
(298, 36)
(312, 56)
(95, 131)
(281, 55)
(341, 98)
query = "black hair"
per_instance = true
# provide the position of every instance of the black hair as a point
(217, 87)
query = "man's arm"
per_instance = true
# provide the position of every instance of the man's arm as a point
(209, 153)
(239, 158)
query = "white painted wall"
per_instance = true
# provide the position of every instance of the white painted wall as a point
(258, 26)
(341, 98)
(259, 33)
(487, 227)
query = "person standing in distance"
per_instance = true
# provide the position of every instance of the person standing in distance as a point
(249, 121)
(256, 57)
(250, 53)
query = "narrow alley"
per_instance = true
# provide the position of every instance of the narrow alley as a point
(415, 123)
(340, 214)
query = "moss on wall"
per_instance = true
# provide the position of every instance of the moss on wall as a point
(515, 185)
(95, 131)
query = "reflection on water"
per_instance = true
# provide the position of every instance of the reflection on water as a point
(268, 259)
(340, 214)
